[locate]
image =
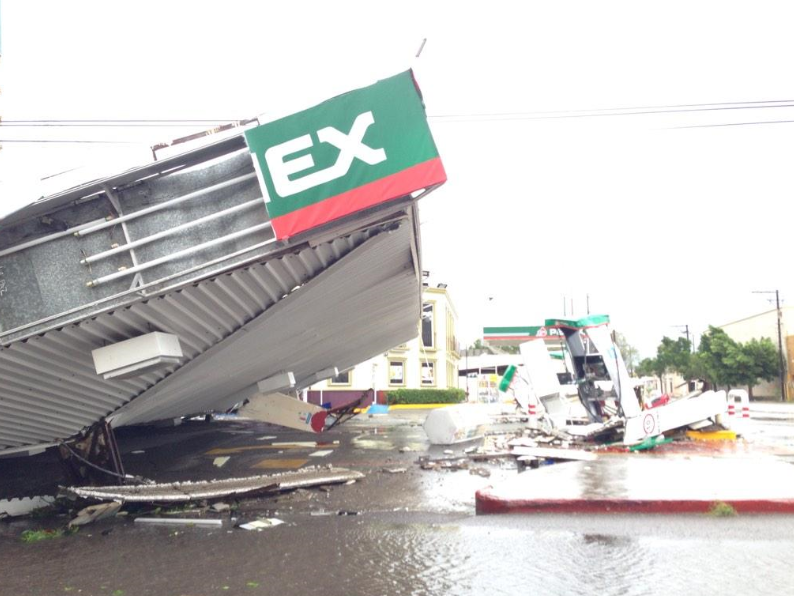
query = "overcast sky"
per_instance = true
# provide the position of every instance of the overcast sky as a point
(555, 187)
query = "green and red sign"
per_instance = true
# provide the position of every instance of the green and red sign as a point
(349, 153)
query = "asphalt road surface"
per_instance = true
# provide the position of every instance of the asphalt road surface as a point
(409, 532)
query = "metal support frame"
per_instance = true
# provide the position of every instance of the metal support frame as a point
(94, 456)
(137, 280)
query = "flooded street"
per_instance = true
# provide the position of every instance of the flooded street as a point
(415, 554)
(401, 530)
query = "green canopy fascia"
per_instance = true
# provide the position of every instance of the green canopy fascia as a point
(584, 323)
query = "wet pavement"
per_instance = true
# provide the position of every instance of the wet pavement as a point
(651, 484)
(401, 532)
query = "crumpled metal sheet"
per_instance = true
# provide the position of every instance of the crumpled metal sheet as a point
(215, 489)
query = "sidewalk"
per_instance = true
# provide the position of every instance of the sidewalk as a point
(646, 483)
(770, 410)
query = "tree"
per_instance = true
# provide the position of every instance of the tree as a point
(671, 355)
(756, 360)
(675, 355)
(477, 345)
(711, 361)
(723, 361)
(652, 367)
(646, 368)
(630, 354)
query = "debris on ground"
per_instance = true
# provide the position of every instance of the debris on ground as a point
(555, 453)
(346, 512)
(219, 462)
(39, 535)
(216, 489)
(261, 524)
(394, 470)
(445, 463)
(455, 424)
(484, 472)
(650, 443)
(179, 521)
(94, 513)
(220, 507)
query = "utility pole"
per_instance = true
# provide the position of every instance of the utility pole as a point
(686, 332)
(782, 362)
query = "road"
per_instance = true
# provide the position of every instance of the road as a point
(413, 532)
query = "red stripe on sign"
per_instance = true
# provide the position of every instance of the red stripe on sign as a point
(397, 185)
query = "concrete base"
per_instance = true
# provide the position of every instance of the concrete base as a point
(646, 484)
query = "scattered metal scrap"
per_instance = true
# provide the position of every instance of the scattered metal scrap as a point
(176, 492)
(94, 513)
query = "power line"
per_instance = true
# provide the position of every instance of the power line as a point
(67, 141)
(733, 124)
(123, 120)
(571, 114)
(550, 114)
(6, 124)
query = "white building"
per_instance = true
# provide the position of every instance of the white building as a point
(428, 361)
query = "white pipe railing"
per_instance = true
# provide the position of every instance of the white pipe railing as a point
(178, 255)
(166, 204)
(43, 239)
(170, 231)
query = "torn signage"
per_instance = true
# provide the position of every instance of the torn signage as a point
(349, 153)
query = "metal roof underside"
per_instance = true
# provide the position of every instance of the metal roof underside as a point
(168, 165)
(332, 304)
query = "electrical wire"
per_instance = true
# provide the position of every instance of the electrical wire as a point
(88, 141)
(76, 455)
(439, 118)
(119, 122)
(732, 124)
(573, 114)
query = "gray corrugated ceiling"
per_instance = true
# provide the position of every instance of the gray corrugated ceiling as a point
(333, 304)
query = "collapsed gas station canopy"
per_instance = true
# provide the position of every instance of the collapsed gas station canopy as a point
(290, 248)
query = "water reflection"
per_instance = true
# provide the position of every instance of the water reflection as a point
(402, 555)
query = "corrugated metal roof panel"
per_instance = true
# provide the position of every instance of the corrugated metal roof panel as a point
(346, 299)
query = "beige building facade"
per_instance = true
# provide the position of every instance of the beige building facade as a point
(428, 361)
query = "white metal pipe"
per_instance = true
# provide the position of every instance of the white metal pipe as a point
(142, 289)
(177, 255)
(55, 236)
(179, 521)
(168, 232)
(166, 204)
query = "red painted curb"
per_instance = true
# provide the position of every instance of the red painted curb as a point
(488, 504)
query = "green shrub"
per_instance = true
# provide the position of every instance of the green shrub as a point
(426, 396)
(722, 509)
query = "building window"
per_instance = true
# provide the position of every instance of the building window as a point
(428, 373)
(428, 325)
(396, 372)
(343, 378)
